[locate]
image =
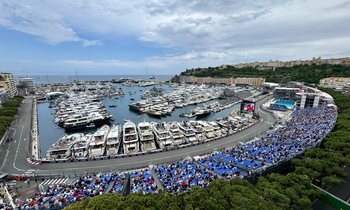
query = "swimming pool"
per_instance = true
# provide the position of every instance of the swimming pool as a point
(288, 104)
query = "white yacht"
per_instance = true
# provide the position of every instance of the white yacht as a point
(146, 136)
(188, 132)
(63, 147)
(80, 146)
(217, 129)
(163, 136)
(176, 134)
(225, 128)
(98, 142)
(113, 140)
(209, 130)
(130, 138)
(198, 129)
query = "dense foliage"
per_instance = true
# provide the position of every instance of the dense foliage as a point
(8, 110)
(292, 190)
(305, 73)
(322, 166)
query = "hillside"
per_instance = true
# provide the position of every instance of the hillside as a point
(306, 73)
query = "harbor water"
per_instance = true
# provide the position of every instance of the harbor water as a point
(49, 132)
(46, 79)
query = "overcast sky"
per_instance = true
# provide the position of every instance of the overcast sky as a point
(165, 36)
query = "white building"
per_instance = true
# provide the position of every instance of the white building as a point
(3, 95)
(7, 82)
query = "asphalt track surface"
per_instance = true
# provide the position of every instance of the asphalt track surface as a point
(13, 154)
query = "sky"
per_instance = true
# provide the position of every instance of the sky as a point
(165, 37)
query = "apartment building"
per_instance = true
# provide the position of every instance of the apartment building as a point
(7, 82)
(335, 82)
(3, 95)
(274, 64)
(229, 81)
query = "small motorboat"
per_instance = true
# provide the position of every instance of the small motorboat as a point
(91, 125)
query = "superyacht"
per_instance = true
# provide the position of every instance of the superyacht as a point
(80, 147)
(63, 147)
(146, 137)
(163, 136)
(113, 140)
(176, 134)
(209, 130)
(188, 132)
(98, 142)
(130, 138)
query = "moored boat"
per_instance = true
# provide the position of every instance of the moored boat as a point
(63, 147)
(176, 134)
(163, 136)
(146, 137)
(113, 140)
(130, 138)
(80, 146)
(98, 142)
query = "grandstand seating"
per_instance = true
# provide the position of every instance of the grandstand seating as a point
(181, 176)
(142, 181)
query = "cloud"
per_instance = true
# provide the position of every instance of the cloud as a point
(87, 43)
(196, 32)
(35, 19)
(238, 25)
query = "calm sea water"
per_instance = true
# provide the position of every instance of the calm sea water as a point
(49, 132)
(70, 78)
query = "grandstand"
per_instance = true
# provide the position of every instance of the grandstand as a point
(305, 129)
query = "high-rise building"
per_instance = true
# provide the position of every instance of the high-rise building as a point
(7, 82)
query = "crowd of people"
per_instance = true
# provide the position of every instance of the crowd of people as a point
(5, 202)
(142, 181)
(60, 195)
(304, 129)
(181, 176)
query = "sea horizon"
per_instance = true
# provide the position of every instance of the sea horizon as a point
(44, 79)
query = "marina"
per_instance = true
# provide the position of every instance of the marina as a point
(133, 131)
(145, 137)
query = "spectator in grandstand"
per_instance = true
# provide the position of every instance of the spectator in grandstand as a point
(181, 176)
(142, 181)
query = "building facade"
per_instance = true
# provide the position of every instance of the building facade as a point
(275, 64)
(335, 82)
(7, 82)
(229, 81)
(3, 95)
(26, 82)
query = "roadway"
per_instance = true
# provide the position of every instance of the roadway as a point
(13, 154)
(14, 161)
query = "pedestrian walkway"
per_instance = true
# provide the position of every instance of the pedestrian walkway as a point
(156, 179)
(35, 134)
(50, 182)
